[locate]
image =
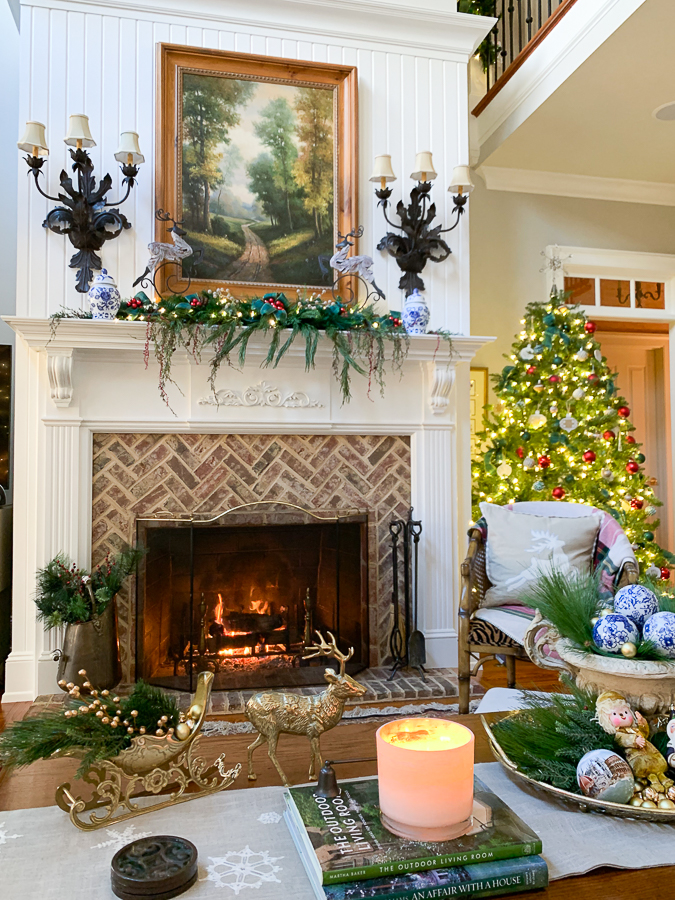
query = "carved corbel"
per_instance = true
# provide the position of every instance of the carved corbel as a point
(442, 380)
(60, 372)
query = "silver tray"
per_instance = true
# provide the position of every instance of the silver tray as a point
(585, 804)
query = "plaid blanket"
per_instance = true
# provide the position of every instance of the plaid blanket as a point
(612, 549)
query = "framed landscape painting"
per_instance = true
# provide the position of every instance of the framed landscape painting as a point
(257, 158)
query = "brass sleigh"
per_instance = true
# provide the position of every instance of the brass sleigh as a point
(150, 766)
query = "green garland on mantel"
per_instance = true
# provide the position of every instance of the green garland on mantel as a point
(215, 320)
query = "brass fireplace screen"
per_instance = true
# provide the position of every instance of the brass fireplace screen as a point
(241, 594)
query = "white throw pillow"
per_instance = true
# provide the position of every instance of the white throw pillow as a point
(523, 547)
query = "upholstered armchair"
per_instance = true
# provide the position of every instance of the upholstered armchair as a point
(483, 633)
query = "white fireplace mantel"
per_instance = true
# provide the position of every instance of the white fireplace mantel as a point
(84, 377)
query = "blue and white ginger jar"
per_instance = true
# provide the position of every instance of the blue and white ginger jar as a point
(416, 314)
(637, 602)
(660, 630)
(104, 298)
(613, 630)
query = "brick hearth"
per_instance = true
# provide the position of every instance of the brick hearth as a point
(140, 475)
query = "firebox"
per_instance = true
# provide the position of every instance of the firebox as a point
(244, 593)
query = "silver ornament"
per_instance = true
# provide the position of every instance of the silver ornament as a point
(582, 355)
(607, 474)
(569, 423)
(653, 572)
(579, 394)
(504, 470)
(529, 463)
(526, 353)
(598, 355)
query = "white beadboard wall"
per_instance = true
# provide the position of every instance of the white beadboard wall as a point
(98, 57)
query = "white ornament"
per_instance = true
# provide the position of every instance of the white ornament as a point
(243, 869)
(607, 474)
(119, 839)
(653, 572)
(582, 356)
(504, 470)
(569, 423)
(529, 463)
(598, 355)
(526, 353)
(269, 818)
(536, 420)
(579, 394)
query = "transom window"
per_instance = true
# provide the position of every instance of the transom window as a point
(617, 292)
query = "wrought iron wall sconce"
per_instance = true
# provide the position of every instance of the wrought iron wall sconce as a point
(84, 216)
(419, 241)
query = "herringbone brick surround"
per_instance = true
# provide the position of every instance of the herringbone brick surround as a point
(138, 475)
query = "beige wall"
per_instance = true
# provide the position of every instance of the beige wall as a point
(508, 233)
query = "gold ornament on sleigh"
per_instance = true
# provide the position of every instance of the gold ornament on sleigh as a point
(282, 712)
(152, 764)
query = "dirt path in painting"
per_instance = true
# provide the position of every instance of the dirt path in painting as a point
(254, 263)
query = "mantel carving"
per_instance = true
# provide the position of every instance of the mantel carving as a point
(442, 380)
(60, 374)
(262, 394)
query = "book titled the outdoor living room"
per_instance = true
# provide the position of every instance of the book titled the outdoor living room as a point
(345, 840)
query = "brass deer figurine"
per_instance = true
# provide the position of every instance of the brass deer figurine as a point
(280, 712)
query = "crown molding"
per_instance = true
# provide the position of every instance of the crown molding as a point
(427, 28)
(585, 187)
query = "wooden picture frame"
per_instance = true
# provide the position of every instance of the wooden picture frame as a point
(185, 72)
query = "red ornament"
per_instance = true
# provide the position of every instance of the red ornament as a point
(558, 493)
(544, 462)
(592, 378)
(590, 327)
(589, 456)
(520, 452)
(608, 435)
(636, 503)
(554, 379)
(665, 573)
(630, 439)
(531, 370)
(632, 467)
(623, 411)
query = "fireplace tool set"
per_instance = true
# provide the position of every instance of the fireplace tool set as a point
(407, 646)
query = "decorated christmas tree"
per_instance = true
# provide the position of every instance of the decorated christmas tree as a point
(561, 430)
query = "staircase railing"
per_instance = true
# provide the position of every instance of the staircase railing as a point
(521, 26)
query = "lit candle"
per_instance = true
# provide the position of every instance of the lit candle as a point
(425, 776)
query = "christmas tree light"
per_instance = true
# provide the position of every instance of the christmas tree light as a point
(562, 432)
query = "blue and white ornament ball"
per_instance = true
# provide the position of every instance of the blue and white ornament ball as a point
(637, 602)
(613, 630)
(660, 630)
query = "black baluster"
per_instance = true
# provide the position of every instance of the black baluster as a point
(529, 21)
(539, 8)
(503, 50)
(520, 25)
(511, 9)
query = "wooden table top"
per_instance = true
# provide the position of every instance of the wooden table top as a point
(35, 786)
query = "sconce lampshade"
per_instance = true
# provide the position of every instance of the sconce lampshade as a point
(129, 152)
(382, 169)
(424, 167)
(78, 130)
(34, 140)
(461, 180)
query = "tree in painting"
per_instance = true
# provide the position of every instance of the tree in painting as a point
(314, 166)
(276, 129)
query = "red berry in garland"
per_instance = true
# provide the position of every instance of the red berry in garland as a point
(531, 370)
(623, 411)
(558, 493)
(608, 435)
(544, 462)
(630, 439)
(636, 503)
(665, 573)
(632, 467)
(590, 327)
(589, 456)
(520, 452)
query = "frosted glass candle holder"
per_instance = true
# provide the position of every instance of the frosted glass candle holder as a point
(425, 776)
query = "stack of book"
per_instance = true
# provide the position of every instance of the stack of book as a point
(348, 854)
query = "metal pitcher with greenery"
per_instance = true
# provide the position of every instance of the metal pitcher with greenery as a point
(85, 603)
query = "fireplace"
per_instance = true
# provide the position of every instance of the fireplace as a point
(243, 593)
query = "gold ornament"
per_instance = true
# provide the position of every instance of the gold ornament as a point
(636, 801)
(606, 610)
(150, 765)
(194, 712)
(183, 731)
(281, 712)
(648, 804)
(595, 620)
(628, 650)
(666, 804)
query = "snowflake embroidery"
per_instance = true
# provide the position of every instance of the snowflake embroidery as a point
(119, 839)
(5, 836)
(243, 869)
(269, 818)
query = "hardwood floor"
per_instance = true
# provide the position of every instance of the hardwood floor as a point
(35, 786)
